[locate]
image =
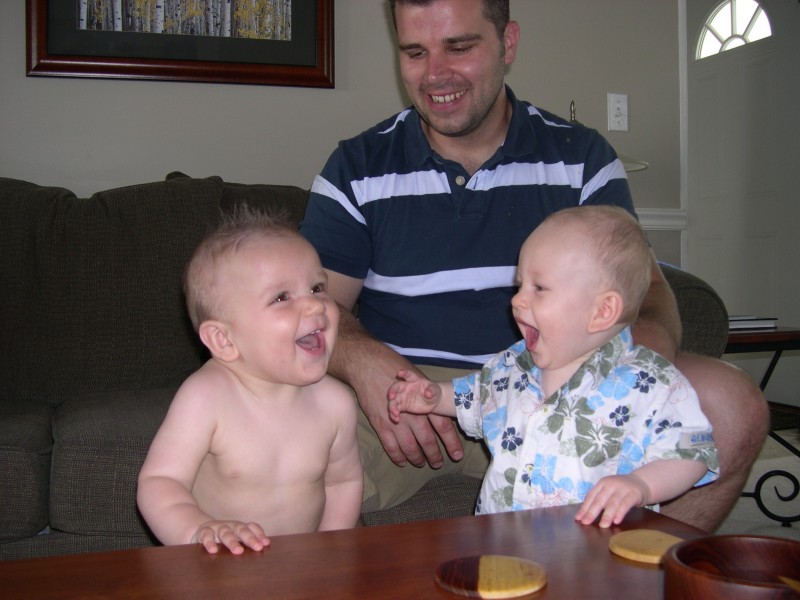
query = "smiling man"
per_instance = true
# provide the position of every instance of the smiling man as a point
(419, 220)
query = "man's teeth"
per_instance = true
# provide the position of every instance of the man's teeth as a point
(447, 98)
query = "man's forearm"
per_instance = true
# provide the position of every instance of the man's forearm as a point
(358, 354)
(658, 325)
(353, 343)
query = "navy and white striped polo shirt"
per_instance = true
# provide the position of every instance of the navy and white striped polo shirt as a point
(436, 248)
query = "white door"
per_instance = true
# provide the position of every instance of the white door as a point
(743, 171)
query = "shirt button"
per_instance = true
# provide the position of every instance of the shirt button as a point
(460, 180)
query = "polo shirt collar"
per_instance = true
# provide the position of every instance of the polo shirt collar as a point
(517, 143)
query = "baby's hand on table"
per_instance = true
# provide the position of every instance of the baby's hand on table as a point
(412, 393)
(614, 496)
(234, 535)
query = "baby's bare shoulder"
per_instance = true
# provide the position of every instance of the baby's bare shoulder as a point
(331, 392)
(205, 386)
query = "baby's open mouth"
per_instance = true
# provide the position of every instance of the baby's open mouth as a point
(312, 342)
(531, 337)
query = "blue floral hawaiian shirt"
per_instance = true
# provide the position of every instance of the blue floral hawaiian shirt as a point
(624, 407)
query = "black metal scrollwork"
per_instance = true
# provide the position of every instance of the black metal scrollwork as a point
(793, 494)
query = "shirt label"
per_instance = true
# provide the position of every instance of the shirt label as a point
(696, 440)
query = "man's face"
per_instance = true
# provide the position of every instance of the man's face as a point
(453, 63)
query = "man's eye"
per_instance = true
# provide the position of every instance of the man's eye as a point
(460, 49)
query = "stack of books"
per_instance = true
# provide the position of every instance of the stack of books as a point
(751, 322)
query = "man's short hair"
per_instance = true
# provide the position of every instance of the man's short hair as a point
(496, 12)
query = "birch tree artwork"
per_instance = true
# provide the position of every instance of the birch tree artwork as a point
(256, 19)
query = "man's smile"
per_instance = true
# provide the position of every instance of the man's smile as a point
(441, 99)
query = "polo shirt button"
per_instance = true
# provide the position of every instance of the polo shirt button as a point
(460, 180)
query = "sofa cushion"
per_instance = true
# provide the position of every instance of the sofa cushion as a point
(286, 197)
(58, 542)
(445, 496)
(93, 286)
(100, 443)
(25, 446)
(704, 318)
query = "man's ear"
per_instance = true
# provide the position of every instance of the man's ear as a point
(510, 41)
(215, 337)
(607, 310)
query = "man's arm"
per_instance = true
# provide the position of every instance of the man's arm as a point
(370, 367)
(658, 325)
(729, 398)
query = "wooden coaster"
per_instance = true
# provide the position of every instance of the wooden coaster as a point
(491, 576)
(642, 545)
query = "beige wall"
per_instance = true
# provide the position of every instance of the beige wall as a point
(88, 134)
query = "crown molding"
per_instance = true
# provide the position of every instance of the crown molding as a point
(663, 219)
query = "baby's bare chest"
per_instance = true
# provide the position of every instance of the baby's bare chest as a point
(255, 447)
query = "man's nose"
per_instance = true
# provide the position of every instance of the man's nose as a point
(438, 68)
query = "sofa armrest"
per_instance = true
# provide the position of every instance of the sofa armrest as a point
(703, 314)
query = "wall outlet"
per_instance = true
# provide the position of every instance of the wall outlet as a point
(617, 112)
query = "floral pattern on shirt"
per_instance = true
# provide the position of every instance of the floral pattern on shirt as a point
(624, 407)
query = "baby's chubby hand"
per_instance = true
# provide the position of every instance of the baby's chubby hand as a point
(412, 393)
(614, 496)
(234, 535)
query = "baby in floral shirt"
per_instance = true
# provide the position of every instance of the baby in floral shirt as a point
(574, 412)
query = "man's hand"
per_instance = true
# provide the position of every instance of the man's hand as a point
(234, 535)
(369, 366)
(413, 438)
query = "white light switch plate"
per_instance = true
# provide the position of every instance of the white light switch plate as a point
(617, 112)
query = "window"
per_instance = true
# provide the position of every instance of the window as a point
(732, 24)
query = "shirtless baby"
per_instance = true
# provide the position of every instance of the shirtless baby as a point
(259, 441)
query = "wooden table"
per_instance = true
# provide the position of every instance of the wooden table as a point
(392, 561)
(774, 339)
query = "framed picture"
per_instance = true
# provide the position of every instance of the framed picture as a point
(264, 42)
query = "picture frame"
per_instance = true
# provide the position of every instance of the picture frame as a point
(57, 48)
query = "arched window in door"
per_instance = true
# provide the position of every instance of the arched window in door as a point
(731, 24)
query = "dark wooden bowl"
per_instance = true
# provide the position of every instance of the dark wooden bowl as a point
(731, 566)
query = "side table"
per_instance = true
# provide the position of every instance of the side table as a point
(775, 340)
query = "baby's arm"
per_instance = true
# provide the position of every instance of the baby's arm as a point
(344, 480)
(165, 481)
(414, 394)
(655, 482)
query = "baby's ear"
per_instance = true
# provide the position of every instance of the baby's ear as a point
(215, 337)
(607, 311)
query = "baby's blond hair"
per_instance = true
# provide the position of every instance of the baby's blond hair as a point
(236, 227)
(620, 249)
